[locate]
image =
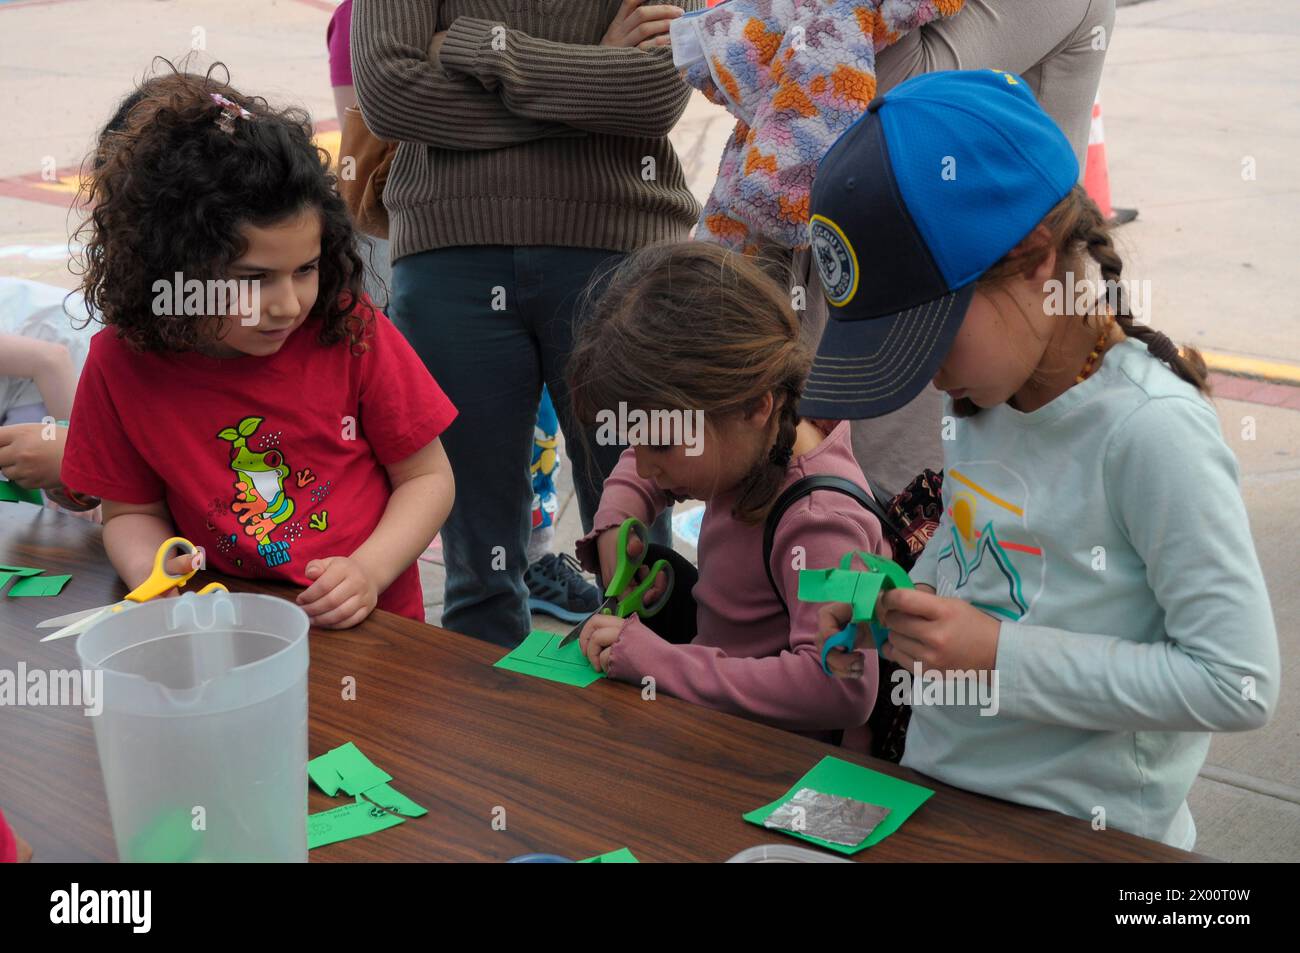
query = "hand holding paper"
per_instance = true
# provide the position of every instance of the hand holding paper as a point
(598, 638)
(856, 593)
(938, 632)
(541, 656)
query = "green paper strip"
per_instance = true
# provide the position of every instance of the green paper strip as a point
(39, 585)
(540, 656)
(346, 822)
(895, 574)
(855, 587)
(620, 856)
(11, 492)
(860, 588)
(391, 798)
(843, 779)
(347, 768)
(826, 585)
(21, 570)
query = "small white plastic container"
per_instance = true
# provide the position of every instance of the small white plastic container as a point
(785, 854)
(203, 734)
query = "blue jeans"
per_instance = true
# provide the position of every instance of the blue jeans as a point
(492, 364)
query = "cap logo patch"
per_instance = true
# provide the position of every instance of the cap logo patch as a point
(837, 263)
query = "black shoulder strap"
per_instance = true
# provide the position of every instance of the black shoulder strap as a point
(797, 491)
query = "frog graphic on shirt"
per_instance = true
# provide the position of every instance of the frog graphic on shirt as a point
(261, 501)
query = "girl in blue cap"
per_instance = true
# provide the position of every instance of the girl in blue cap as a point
(1094, 568)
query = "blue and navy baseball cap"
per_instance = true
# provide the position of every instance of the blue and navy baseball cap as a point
(939, 179)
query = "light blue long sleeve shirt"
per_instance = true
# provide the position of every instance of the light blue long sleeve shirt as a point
(1107, 532)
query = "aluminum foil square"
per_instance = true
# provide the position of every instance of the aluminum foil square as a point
(837, 820)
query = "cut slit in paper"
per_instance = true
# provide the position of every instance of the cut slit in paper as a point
(540, 655)
(37, 585)
(347, 768)
(30, 582)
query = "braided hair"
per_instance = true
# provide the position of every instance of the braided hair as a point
(1093, 232)
(1076, 230)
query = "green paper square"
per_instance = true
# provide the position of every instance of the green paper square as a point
(539, 655)
(620, 856)
(359, 773)
(843, 779)
(347, 768)
(391, 798)
(38, 585)
(323, 775)
(346, 822)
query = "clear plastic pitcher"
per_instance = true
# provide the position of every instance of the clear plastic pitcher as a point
(203, 734)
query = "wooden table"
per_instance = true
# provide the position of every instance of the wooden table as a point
(578, 771)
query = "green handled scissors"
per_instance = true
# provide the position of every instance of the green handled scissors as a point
(625, 571)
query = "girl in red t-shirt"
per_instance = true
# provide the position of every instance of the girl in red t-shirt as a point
(13, 849)
(245, 394)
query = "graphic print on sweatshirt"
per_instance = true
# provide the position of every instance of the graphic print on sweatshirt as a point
(263, 500)
(991, 559)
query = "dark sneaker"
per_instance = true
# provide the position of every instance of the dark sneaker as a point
(557, 588)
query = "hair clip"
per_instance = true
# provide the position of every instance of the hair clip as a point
(230, 110)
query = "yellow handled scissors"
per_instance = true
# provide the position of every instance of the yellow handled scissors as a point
(159, 582)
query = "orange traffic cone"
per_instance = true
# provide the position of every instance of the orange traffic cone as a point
(1096, 178)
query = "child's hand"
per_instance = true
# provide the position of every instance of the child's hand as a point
(598, 637)
(341, 595)
(30, 460)
(177, 565)
(833, 617)
(938, 632)
(607, 548)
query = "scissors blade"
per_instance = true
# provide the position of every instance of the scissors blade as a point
(68, 619)
(609, 603)
(81, 625)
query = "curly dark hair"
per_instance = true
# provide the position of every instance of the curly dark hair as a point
(167, 188)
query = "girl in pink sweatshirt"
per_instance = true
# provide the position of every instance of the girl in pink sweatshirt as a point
(702, 335)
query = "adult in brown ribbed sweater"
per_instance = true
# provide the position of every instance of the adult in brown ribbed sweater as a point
(534, 153)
